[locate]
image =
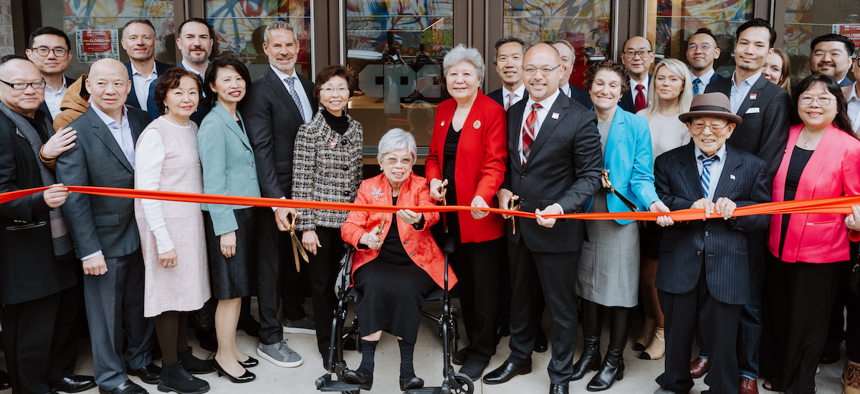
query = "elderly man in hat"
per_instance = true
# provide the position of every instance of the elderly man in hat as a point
(704, 265)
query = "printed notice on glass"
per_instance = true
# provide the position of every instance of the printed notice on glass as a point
(851, 31)
(93, 45)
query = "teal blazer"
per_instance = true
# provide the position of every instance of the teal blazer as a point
(228, 165)
(630, 161)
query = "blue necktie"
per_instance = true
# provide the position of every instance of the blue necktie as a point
(292, 89)
(706, 174)
(696, 86)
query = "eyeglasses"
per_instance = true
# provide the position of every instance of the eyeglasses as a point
(703, 47)
(543, 70)
(44, 51)
(331, 90)
(23, 85)
(823, 101)
(715, 127)
(632, 54)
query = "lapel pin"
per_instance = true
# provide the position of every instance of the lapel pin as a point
(333, 143)
(477, 124)
(752, 96)
(555, 115)
(443, 123)
(732, 176)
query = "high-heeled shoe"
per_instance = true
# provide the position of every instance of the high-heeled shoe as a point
(647, 335)
(657, 348)
(250, 362)
(354, 377)
(245, 378)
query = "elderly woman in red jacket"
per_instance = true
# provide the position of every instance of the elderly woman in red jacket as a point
(397, 263)
(467, 158)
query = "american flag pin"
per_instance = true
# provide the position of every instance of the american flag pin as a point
(752, 96)
(555, 115)
(732, 176)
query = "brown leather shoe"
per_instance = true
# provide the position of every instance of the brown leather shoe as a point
(851, 378)
(747, 386)
(699, 367)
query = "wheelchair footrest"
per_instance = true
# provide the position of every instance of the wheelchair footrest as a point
(425, 390)
(335, 386)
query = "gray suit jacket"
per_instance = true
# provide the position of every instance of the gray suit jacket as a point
(100, 222)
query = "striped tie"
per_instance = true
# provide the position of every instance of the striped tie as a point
(529, 132)
(696, 86)
(706, 174)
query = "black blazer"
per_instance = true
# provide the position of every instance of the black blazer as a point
(160, 69)
(580, 96)
(627, 102)
(564, 167)
(28, 270)
(498, 96)
(44, 106)
(272, 120)
(99, 222)
(764, 131)
(721, 244)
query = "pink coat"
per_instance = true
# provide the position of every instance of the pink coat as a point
(419, 244)
(832, 171)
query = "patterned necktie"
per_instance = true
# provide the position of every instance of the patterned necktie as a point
(510, 100)
(529, 132)
(291, 87)
(696, 86)
(640, 97)
(706, 174)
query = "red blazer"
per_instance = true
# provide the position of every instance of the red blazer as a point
(481, 157)
(832, 171)
(419, 244)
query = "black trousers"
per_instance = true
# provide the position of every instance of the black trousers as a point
(556, 273)
(267, 276)
(292, 282)
(40, 339)
(796, 320)
(477, 267)
(852, 331)
(718, 323)
(322, 270)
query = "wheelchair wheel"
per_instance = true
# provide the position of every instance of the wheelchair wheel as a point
(465, 382)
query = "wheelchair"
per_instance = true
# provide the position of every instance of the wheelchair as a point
(451, 382)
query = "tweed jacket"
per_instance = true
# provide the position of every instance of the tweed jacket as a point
(228, 165)
(327, 167)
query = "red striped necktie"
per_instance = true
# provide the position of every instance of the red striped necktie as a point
(529, 132)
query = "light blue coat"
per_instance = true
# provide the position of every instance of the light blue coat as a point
(228, 165)
(630, 161)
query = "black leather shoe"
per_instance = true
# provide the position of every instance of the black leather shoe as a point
(507, 371)
(74, 384)
(148, 374)
(127, 387)
(194, 365)
(473, 369)
(5, 384)
(207, 339)
(558, 389)
(245, 378)
(411, 383)
(831, 353)
(250, 362)
(355, 377)
(541, 342)
(250, 326)
(459, 357)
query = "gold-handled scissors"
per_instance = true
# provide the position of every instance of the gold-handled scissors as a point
(630, 205)
(297, 245)
(514, 206)
(379, 231)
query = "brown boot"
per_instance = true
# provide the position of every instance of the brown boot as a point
(851, 378)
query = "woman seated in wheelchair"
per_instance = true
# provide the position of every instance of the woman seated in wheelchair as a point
(397, 262)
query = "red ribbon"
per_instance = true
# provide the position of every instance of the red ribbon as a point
(834, 205)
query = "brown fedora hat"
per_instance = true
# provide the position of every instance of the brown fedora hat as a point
(711, 104)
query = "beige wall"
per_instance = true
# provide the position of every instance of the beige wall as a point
(7, 45)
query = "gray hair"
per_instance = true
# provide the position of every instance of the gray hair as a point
(279, 25)
(396, 139)
(463, 54)
(569, 46)
(508, 40)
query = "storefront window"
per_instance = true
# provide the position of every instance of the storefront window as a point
(395, 50)
(240, 25)
(585, 24)
(807, 19)
(671, 23)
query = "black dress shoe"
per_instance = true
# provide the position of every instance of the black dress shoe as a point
(507, 371)
(127, 387)
(354, 377)
(148, 374)
(250, 326)
(74, 384)
(558, 389)
(250, 362)
(541, 342)
(5, 384)
(411, 383)
(207, 339)
(831, 353)
(245, 378)
(459, 357)
(194, 365)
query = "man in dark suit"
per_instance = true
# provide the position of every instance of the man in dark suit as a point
(50, 50)
(568, 57)
(277, 105)
(638, 57)
(105, 231)
(704, 264)
(554, 166)
(764, 108)
(38, 280)
(702, 52)
(140, 42)
(831, 55)
(509, 52)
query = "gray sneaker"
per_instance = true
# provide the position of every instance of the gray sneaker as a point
(280, 354)
(301, 326)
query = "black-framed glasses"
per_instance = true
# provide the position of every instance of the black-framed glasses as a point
(44, 51)
(23, 85)
(546, 70)
(632, 54)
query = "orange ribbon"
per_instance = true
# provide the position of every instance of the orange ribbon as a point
(834, 205)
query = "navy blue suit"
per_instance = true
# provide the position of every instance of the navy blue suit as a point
(627, 102)
(131, 100)
(498, 96)
(44, 106)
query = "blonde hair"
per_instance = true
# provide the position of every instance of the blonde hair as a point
(680, 69)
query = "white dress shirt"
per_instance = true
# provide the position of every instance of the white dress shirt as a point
(519, 93)
(305, 106)
(141, 84)
(704, 80)
(53, 98)
(739, 93)
(541, 113)
(854, 108)
(633, 90)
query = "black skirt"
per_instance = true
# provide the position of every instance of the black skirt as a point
(390, 297)
(237, 276)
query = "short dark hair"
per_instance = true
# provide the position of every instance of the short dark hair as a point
(170, 80)
(329, 72)
(212, 73)
(196, 20)
(849, 45)
(705, 30)
(842, 120)
(142, 21)
(49, 30)
(608, 65)
(756, 22)
(508, 40)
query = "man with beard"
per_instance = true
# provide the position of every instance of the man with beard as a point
(702, 52)
(195, 39)
(831, 55)
(139, 42)
(637, 56)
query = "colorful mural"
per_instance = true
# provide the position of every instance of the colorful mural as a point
(371, 24)
(677, 20)
(583, 23)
